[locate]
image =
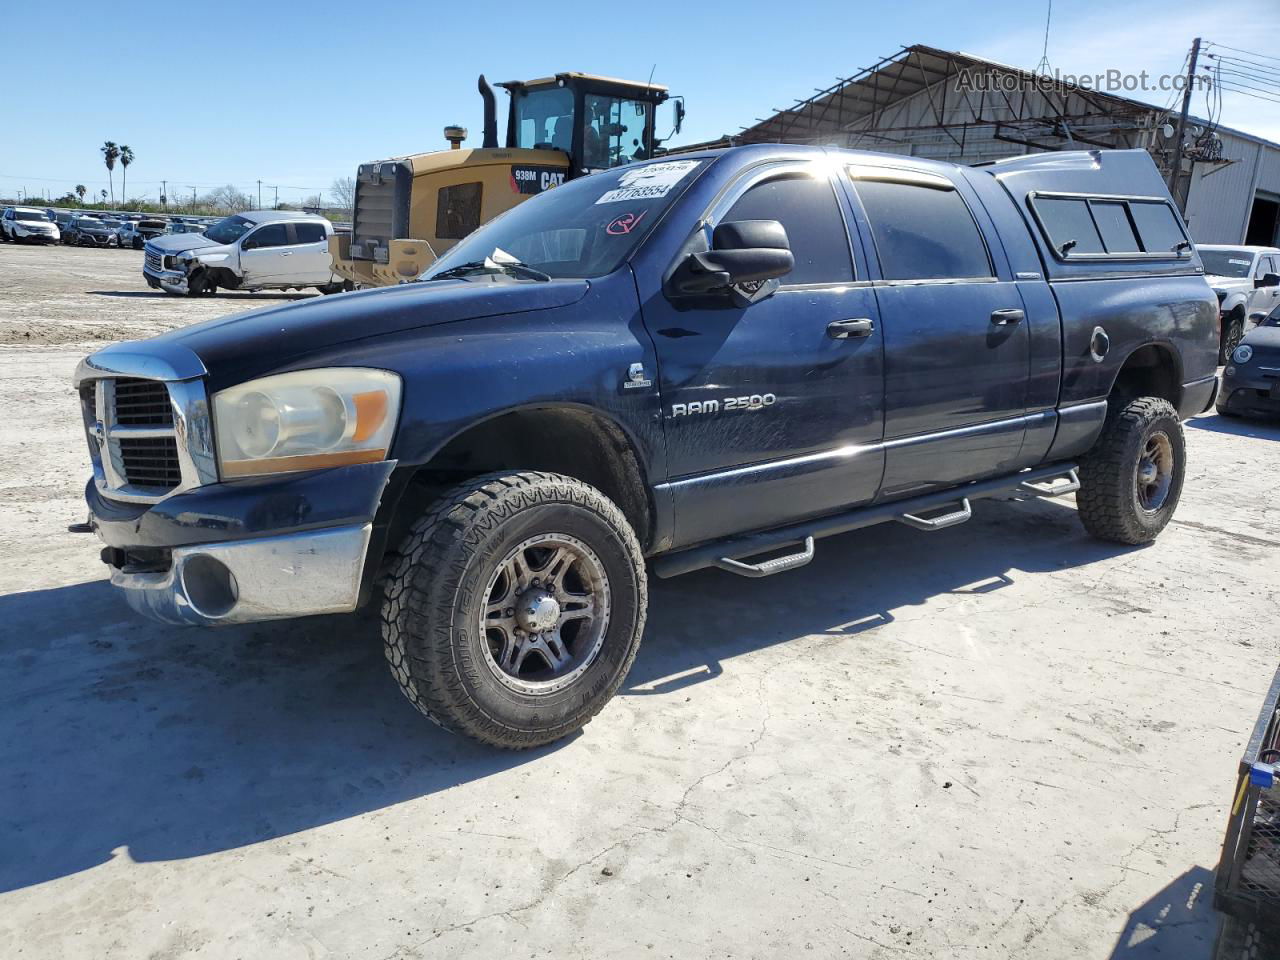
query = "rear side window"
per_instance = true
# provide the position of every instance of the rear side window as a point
(1070, 225)
(1158, 226)
(1113, 223)
(923, 232)
(1077, 226)
(457, 210)
(806, 207)
(309, 232)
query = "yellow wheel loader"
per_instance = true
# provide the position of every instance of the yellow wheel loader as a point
(410, 210)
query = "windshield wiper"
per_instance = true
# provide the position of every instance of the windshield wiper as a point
(512, 267)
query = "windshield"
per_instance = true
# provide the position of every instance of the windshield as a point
(544, 118)
(110, 223)
(227, 230)
(584, 228)
(30, 215)
(1226, 263)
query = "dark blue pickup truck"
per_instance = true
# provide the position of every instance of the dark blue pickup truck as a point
(712, 359)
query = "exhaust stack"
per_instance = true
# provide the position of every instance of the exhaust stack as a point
(490, 132)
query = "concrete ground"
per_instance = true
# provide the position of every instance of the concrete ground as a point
(999, 740)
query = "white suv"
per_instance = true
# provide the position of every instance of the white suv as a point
(256, 250)
(26, 224)
(1244, 280)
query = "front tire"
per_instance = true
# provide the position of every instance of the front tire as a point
(1131, 480)
(1232, 334)
(516, 608)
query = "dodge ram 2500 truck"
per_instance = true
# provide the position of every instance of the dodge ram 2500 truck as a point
(709, 360)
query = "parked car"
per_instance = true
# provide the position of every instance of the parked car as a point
(179, 226)
(1251, 380)
(27, 225)
(135, 233)
(696, 360)
(257, 250)
(92, 232)
(1247, 283)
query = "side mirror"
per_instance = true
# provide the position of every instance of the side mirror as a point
(1267, 280)
(679, 116)
(742, 252)
(250, 244)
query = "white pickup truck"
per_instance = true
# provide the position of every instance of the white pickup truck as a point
(255, 250)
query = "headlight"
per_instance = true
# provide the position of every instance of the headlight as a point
(1243, 353)
(306, 420)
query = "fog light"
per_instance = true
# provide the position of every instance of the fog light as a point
(1229, 372)
(210, 587)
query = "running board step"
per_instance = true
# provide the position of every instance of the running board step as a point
(940, 522)
(1058, 487)
(768, 568)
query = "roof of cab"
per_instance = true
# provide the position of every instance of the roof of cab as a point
(265, 216)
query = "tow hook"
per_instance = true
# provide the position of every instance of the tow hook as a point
(86, 527)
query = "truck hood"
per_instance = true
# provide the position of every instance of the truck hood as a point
(238, 347)
(1230, 284)
(178, 242)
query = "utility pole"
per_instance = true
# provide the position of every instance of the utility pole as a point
(259, 194)
(1175, 170)
(277, 190)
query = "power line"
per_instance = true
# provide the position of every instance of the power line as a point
(1249, 52)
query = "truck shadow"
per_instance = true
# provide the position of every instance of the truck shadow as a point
(1255, 428)
(175, 743)
(1179, 921)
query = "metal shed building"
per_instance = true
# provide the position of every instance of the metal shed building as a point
(944, 105)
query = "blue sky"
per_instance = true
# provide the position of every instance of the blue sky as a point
(298, 94)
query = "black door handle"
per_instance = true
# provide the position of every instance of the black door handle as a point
(844, 329)
(1007, 315)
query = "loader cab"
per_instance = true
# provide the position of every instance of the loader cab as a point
(599, 122)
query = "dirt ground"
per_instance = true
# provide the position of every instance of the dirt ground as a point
(999, 740)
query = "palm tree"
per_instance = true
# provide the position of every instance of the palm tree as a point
(80, 191)
(110, 153)
(126, 158)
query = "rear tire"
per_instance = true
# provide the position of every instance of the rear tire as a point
(566, 561)
(1131, 481)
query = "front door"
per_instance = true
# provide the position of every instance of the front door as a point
(265, 254)
(769, 415)
(957, 351)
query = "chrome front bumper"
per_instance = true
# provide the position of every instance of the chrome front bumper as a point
(241, 581)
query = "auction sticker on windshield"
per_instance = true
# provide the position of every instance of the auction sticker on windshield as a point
(649, 182)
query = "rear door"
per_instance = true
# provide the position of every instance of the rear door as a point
(769, 417)
(956, 345)
(311, 262)
(264, 254)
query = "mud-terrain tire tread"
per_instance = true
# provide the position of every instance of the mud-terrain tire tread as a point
(1106, 501)
(428, 573)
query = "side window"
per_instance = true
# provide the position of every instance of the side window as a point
(806, 207)
(1070, 227)
(1113, 223)
(1158, 226)
(272, 235)
(923, 232)
(457, 210)
(309, 232)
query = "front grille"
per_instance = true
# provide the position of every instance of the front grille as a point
(154, 261)
(142, 403)
(135, 429)
(150, 461)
